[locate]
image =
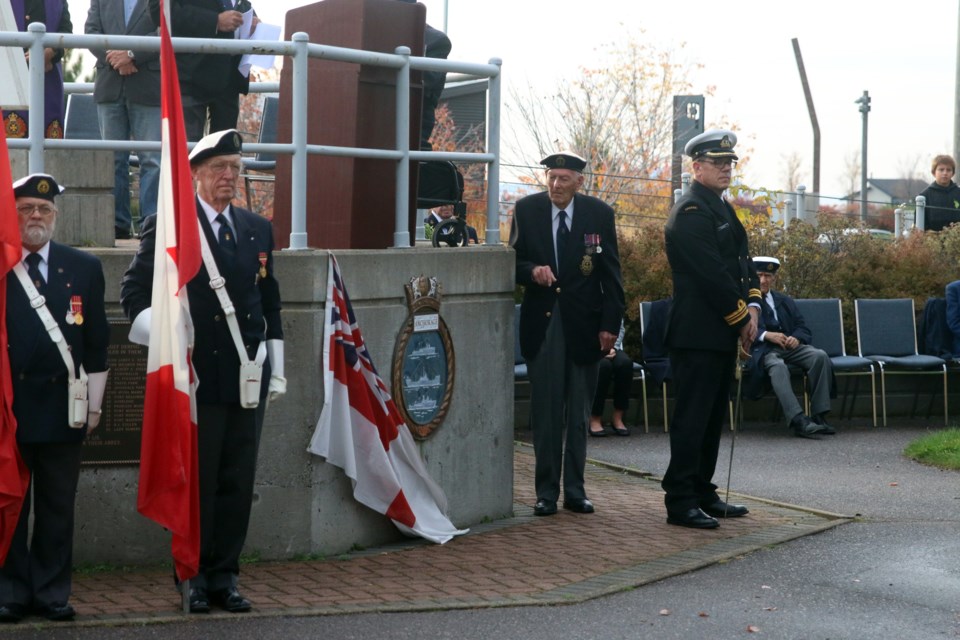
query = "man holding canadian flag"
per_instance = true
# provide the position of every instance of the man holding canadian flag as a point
(201, 292)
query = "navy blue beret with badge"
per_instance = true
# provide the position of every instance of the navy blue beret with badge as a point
(564, 160)
(219, 143)
(714, 143)
(766, 264)
(37, 185)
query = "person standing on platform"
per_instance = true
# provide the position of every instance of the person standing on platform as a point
(58, 336)
(55, 15)
(573, 301)
(210, 83)
(127, 93)
(716, 299)
(228, 433)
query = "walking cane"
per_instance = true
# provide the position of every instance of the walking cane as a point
(739, 364)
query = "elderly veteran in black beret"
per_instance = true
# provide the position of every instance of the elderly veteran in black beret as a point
(57, 342)
(569, 266)
(241, 251)
(783, 340)
(716, 300)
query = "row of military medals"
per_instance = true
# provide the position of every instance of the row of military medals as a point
(591, 242)
(75, 313)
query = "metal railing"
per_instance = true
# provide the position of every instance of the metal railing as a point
(300, 50)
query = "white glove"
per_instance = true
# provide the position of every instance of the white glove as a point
(140, 328)
(278, 384)
(96, 386)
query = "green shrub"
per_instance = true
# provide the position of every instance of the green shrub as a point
(826, 261)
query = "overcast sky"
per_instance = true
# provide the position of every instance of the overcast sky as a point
(904, 54)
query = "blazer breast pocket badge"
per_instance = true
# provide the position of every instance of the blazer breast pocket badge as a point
(591, 244)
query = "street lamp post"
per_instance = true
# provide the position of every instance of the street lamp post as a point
(864, 102)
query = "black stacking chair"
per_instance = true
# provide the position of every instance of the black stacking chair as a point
(887, 335)
(824, 318)
(656, 361)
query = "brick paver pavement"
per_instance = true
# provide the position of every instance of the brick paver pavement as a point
(522, 560)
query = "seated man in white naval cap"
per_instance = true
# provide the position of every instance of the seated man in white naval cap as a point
(784, 339)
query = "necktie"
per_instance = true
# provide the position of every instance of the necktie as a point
(33, 270)
(225, 237)
(562, 233)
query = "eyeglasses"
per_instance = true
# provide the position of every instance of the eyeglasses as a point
(222, 167)
(721, 162)
(28, 209)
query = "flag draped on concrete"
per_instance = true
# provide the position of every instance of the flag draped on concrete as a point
(169, 489)
(14, 475)
(361, 431)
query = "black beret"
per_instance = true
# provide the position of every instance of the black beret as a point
(219, 143)
(37, 185)
(564, 160)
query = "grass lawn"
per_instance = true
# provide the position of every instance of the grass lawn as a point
(938, 449)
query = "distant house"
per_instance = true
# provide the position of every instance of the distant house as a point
(891, 191)
(467, 102)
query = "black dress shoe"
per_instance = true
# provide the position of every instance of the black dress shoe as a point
(620, 431)
(581, 505)
(804, 427)
(821, 421)
(199, 603)
(230, 600)
(598, 434)
(545, 507)
(12, 612)
(721, 509)
(120, 233)
(57, 612)
(693, 518)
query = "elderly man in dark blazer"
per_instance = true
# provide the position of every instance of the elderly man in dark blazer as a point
(37, 574)
(573, 300)
(228, 438)
(783, 339)
(127, 92)
(210, 83)
(716, 298)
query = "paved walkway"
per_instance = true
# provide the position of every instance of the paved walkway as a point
(524, 560)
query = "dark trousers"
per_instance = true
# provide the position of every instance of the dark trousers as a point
(702, 383)
(561, 393)
(620, 369)
(228, 438)
(222, 111)
(38, 571)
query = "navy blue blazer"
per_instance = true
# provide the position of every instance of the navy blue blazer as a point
(256, 299)
(37, 368)
(589, 287)
(791, 324)
(713, 275)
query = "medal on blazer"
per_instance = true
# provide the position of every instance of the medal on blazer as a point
(75, 314)
(262, 273)
(586, 265)
(263, 264)
(591, 241)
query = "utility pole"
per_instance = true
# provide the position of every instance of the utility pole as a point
(956, 98)
(864, 102)
(813, 118)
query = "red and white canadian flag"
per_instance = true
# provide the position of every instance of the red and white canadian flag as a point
(361, 431)
(14, 475)
(169, 486)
